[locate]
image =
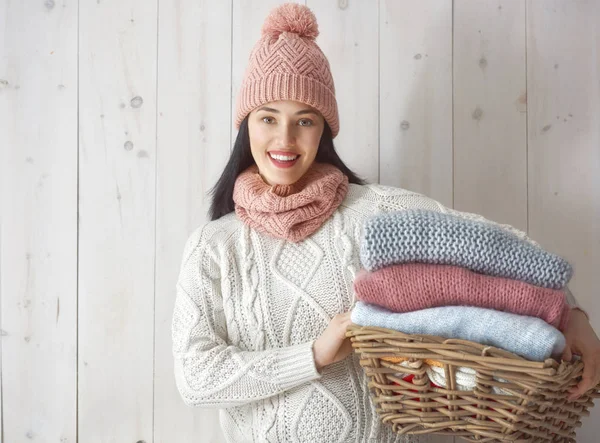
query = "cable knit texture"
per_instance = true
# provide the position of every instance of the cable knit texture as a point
(287, 64)
(430, 237)
(291, 212)
(247, 310)
(529, 337)
(413, 286)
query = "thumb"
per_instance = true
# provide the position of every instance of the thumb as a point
(586, 382)
(567, 355)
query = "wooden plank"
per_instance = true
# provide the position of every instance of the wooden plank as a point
(563, 66)
(415, 102)
(38, 234)
(193, 147)
(490, 144)
(117, 216)
(349, 38)
(416, 97)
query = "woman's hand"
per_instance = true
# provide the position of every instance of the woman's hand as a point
(582, 340)
(333, 346)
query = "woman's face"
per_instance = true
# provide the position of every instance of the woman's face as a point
(284, 138)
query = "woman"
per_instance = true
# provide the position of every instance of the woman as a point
(265, 287)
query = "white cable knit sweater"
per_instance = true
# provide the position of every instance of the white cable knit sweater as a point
(247, 311)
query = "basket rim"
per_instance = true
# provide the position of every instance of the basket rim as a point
(448, 346)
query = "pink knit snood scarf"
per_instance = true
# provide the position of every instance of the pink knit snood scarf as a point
(291, 212)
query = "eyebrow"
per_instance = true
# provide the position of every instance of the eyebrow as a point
(275, 111)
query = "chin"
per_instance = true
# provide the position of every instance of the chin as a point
(283, 179)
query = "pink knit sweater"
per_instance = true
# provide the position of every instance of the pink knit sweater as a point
(414, 286)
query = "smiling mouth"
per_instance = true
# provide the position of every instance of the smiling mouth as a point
(281, 157)
(283, 160)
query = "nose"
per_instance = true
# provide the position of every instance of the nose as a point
(287, 135)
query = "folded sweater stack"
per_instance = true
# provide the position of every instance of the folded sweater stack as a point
(433, 273)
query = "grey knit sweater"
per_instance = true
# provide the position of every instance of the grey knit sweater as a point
(428, 236)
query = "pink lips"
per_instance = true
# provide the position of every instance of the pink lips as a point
(283, 164)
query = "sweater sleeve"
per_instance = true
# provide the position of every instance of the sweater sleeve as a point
(209, 371)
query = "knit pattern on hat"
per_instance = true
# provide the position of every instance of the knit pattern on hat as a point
(287, 64)
(291, 212)
(529, 337)
(436, 238)
(415, 286)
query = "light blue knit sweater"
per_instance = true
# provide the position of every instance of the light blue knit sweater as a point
(427, 236)
(529, 337)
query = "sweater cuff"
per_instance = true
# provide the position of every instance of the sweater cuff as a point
(296, 365)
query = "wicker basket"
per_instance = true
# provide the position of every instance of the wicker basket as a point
(531, 405)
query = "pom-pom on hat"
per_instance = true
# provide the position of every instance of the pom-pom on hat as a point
(287, 64)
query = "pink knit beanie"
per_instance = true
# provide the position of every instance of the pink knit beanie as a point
(287, 64)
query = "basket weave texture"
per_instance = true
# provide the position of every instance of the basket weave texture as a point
(531, 405)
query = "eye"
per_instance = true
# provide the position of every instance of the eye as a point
(306, 122)
(267, 120)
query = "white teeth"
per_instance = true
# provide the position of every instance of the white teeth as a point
(283, 158)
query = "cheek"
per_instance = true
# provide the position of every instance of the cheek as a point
(258, 140)
(312, 143)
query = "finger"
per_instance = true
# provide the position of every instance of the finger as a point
(567, 355)
(343, 317)
(347, 322)
(343, 328)
(587, 380)
(577, 391)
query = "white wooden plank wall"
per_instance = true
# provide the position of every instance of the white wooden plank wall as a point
(116, 119)
(563, 83)
(38, 222)
(415, 81)
(194, 89)
(490, 110)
